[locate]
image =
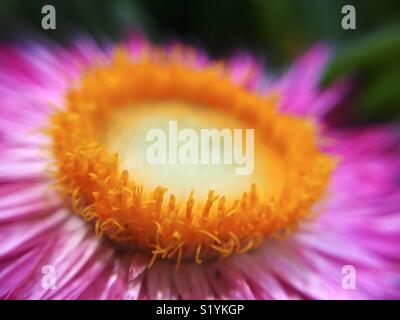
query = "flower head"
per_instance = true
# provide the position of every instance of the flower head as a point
(77, 191)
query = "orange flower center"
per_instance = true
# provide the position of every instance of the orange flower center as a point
(174, 210)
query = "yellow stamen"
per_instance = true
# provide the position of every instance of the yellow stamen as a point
(187, 215)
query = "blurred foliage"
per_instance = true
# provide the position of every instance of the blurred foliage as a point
(276, 30)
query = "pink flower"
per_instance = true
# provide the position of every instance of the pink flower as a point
(348, 251)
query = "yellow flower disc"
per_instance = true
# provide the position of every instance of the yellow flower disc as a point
(174, 210)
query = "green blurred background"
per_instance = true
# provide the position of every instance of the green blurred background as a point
(275, 30)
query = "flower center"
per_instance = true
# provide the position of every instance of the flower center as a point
(199, 169)
(190, 208)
